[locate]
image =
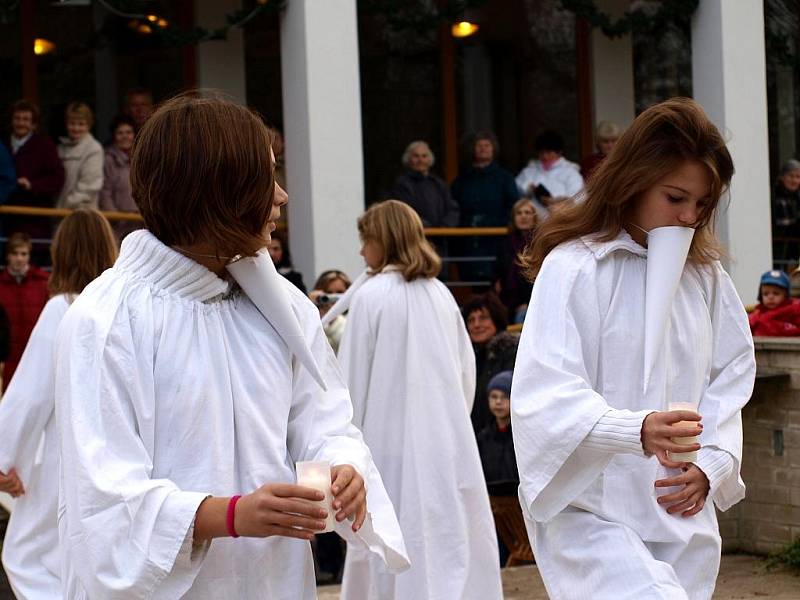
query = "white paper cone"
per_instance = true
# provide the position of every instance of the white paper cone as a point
(342, 304)
(667, 248)
(265, 288)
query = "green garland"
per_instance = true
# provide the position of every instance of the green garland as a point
(174, 36)
(671, 12)
(420, 17)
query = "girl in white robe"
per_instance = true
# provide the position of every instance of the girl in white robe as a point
(182, 410)
(83, 247)
(610, 514)
(411, 371)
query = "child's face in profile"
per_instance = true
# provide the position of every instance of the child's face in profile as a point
(499, 404)
(772, 295)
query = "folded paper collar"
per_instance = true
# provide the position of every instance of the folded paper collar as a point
(266, 288)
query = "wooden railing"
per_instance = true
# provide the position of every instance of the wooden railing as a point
(34, 211)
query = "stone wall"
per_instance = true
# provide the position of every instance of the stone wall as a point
(769, 517)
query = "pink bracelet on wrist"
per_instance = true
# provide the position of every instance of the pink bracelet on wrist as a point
(230, 516)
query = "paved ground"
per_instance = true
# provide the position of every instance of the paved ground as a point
(741, 577)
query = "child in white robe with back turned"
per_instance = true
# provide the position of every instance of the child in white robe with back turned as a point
(181, 408)
(82, 248)
(610, 514)
(411, 371)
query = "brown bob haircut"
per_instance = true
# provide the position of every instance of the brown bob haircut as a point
(659, 141)
(83, 247)
(202, 171)
(398, 230)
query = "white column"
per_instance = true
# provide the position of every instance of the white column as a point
(322, 129)
(220, 63)
(612, 72)
(729, 80)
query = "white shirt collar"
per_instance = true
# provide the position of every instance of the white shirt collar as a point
(17, 143)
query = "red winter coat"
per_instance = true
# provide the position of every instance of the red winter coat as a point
(23, 302)
(781, 321)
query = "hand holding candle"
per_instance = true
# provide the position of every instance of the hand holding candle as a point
(689, 456)
(659, 429)
(316, 475)
(281, 509)
(350, 495)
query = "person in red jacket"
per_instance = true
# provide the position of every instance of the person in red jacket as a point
(23, 294)
(40, 174)
(776, 314)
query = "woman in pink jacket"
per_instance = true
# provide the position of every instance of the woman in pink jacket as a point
(116, 192)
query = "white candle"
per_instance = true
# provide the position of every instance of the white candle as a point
(690, 457)
(317, 475)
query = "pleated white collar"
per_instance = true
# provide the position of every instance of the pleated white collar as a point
(145, 256)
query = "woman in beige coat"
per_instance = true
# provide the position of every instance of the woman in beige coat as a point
(82, 156)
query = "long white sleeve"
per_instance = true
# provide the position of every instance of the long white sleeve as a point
(619, 431)
(321, 428)
(28, 403)
(122, 528)
(731, 381)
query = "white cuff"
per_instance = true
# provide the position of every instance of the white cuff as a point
(617, 432)
(716, 464)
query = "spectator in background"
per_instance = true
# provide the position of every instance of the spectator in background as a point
(329, 287)
(8, 175)
(40, 173)
(82, 156)
(512, 286)
(605, 136)
(138, 105)
(115, 194)
(777, 314)
(550, 178)
(279, 251)
(786, 212)
(495, 444)
(485, 193)
(423, 191)
(23, 294)
(495, 349)
(278, 149)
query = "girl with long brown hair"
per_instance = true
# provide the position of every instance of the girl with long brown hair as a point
(610, 341)
(411, 372)
(83, 247)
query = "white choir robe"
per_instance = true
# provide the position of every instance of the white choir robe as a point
(591, 512)
(30, 445)
(171, 387)
(410, 368)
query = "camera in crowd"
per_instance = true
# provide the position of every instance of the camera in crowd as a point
(327, 299)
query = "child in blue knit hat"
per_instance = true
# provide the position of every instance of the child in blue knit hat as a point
(495, 443)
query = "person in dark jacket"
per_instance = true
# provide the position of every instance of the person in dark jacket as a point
(23, 294)
(40, 173)
(423, 191)
(786, 212)
(495, 349)
(495, 444)
(8, 175)
(279, 252)
(485, 193)
(512, 286)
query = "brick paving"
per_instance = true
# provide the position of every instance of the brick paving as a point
(742, 577)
